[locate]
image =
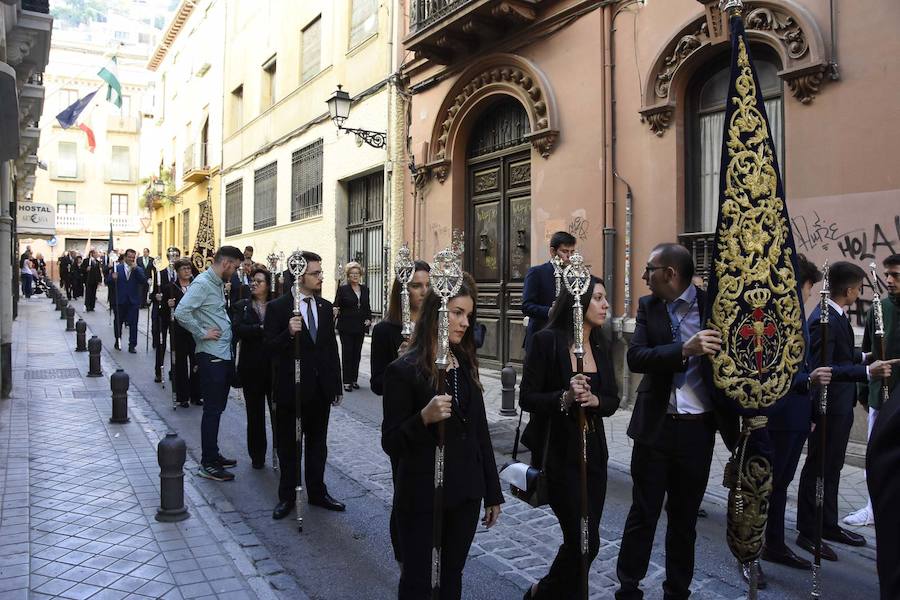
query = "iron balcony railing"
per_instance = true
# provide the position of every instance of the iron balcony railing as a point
(425, 12)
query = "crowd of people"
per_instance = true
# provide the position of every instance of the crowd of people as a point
(238, 324)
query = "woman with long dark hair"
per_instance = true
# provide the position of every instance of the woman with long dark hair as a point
(253, 367)
(412, 409)
(354, 315)
(552, 392)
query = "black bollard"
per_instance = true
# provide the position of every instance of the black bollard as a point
(95, 346)
(63, 303)
(70, 318)
(170, 453)
(508, 397)
(118, 383)
(80, 336)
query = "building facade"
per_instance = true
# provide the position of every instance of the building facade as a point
(290, 179)
(25, 33)
(188, 67)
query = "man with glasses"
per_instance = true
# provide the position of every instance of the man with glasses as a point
(673, 424)
(848, 365)
(870, 395)
(321, 377)
(539, 292)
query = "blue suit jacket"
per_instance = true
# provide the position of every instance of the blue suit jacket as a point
(844, 358)
(537, 297)
(127, 291)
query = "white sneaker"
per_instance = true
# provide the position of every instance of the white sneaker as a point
(860, 518)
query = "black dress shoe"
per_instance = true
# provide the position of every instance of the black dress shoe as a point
(785, 556)
(259, 464)
(157, 379)
(348, 388)
(807, 544)
(117, 345)
(355, 385)
(184, 404)
(761, 581)
(328, 502)
(132, 351)
(842, 536)
(197, 402)
(282, 509)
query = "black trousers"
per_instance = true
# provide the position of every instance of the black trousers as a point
(414, 533)
(90, 296)
(187, 382)
(562, 581)
(838, 434)
(257, 394)
(786, 449)
(677, 469)
(160, 336)
(351, 351)
(316, 410)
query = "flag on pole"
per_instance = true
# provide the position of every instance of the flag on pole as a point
(110, 74)
(76, 112)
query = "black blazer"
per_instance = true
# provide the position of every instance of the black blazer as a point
(386, 340)
(845, 359)
(538, 295)
(548, 370)
(182, 338)
(653, 352)
(354, 312)
(470, 471)
(248, 330)
(92, 275)
(319, 360)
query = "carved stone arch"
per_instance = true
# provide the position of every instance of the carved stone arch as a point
(497, 74)
(783, 25)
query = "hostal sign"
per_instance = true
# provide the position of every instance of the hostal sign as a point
(35, 219)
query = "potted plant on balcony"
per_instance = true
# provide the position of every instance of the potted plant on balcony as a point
(158, 190)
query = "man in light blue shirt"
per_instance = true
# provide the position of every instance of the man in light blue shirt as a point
(202, 312)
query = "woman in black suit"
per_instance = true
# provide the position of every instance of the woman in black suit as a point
(412, 409)
(354, 315)
(187, 384)
(253, 367)
(551, 393)
(75, 279)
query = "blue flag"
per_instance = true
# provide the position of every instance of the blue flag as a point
(70, 114)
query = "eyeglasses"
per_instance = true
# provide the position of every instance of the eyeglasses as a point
(316, 274)
(650, 268)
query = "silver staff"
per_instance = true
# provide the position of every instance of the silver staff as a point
(172, 256)
(577, 278)
(820, 429)
(405, 268)
(272, 261)
(446, 280)
(879, 342)
(557, 273)
(296, 264)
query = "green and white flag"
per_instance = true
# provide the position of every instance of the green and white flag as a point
(110, 74)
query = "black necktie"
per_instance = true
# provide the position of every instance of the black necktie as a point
(312, 320)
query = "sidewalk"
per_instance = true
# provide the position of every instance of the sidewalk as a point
(79, 494)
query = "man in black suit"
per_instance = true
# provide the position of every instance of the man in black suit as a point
(321, 377)
(161, 319)
(146, 263)
(673, 424)
(539, 292)
(65, 266)
(93, 275)
(848, 365)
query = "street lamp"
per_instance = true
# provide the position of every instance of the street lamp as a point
(339, 109)
(159, 190)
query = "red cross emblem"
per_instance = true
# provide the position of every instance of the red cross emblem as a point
(758, 330)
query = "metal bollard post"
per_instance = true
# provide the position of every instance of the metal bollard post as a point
(118, 383)
(80, 336)
(70, 318)
(508, 398)
(95, 346)
(170, 453)
(63, 303)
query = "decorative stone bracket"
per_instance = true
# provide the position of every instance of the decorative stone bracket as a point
(785, 26)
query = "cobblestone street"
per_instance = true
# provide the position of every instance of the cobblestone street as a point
(79, 497)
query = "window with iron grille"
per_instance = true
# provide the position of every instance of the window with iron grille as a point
(264, 196)
(234, 207)
(186, 230)
(306, 181)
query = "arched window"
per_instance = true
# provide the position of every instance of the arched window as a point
(706, 120)
(502, 126)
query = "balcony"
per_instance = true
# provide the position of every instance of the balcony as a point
(97, 223)
(196, 163)
(444, 30)
(129, 124)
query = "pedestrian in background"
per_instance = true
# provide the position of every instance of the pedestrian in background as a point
(93, 275)
(354, 315)
(202, 312)
(75, 279)
(26, 274)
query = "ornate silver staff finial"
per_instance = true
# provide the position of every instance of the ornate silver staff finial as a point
(557, 263)
(272, 262)
(446, 279)
(405, 268)
(296, 264)
(731, 7)
(878, 314)
(577, 278)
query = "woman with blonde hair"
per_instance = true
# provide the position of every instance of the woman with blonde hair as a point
(354, 315)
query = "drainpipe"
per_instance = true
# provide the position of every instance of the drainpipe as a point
(609, 205)
(6, 280)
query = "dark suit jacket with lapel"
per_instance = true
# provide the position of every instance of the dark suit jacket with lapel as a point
(239, 291)
(470, 470)
(127, 291)
(548, 370)
(354, 311)
(150, 266)
(253, 360)
(92, 275)
(844, 358)
(172, 291)
(319, 360)
(538, 295)
(653, 352)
